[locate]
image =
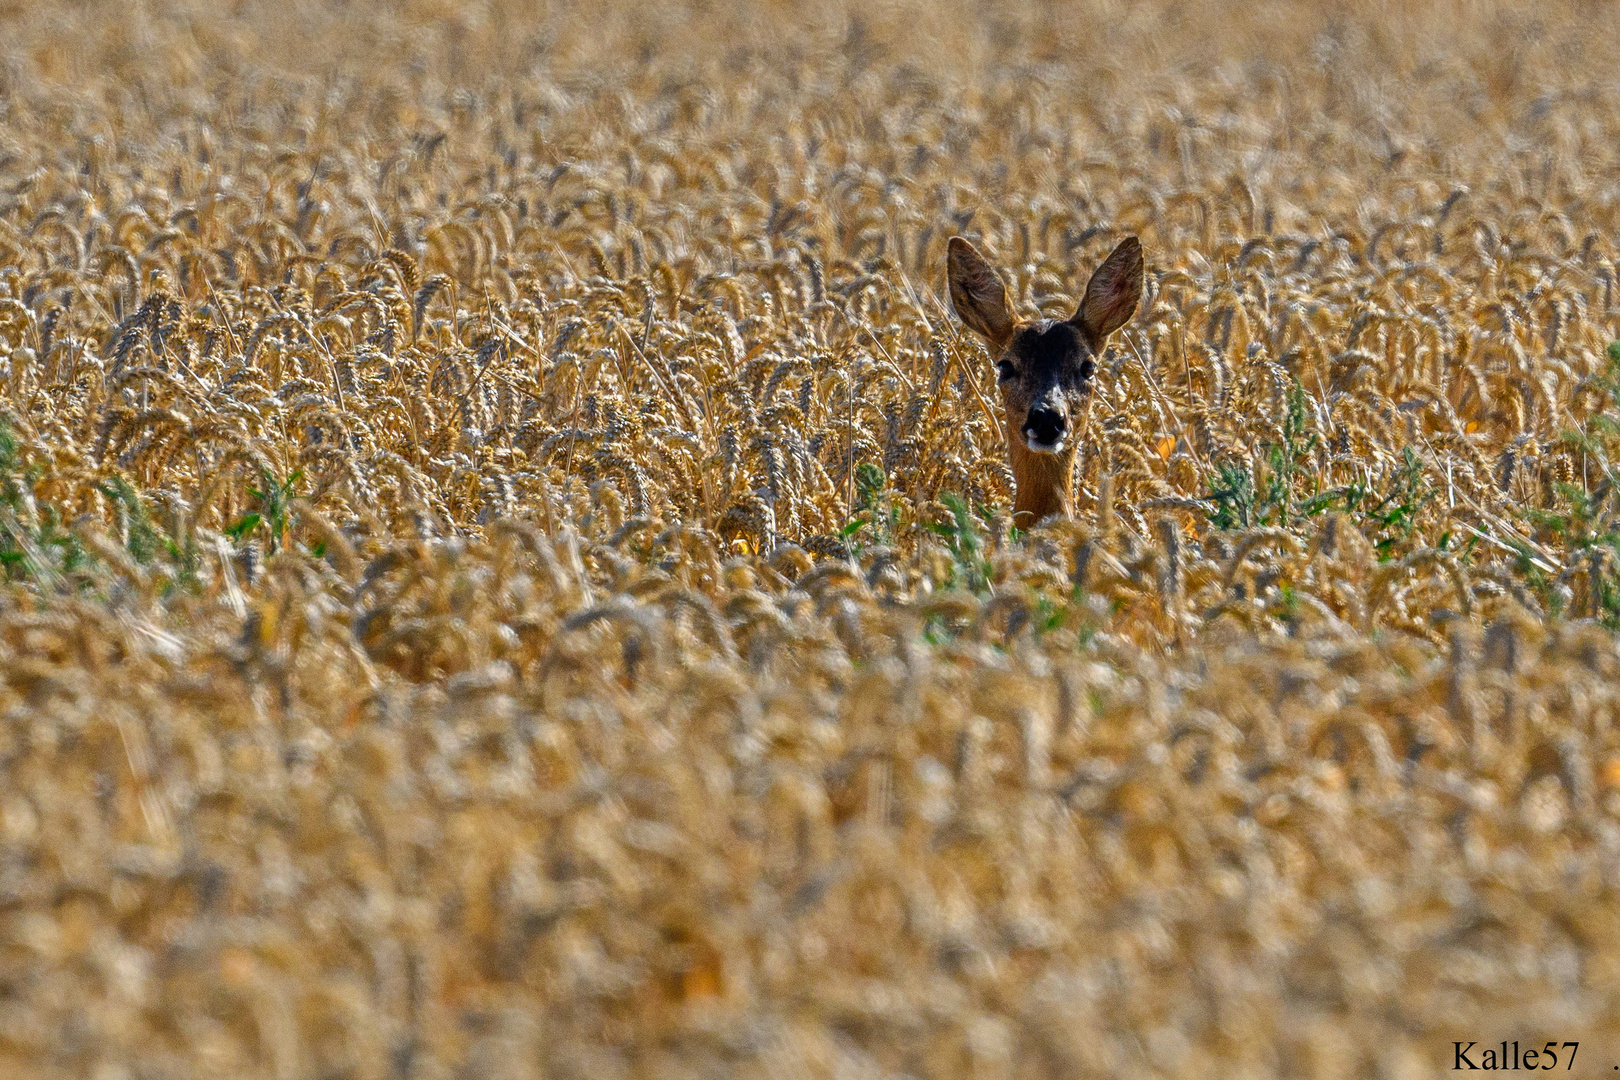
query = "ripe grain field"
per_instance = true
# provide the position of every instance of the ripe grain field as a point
(508, 566)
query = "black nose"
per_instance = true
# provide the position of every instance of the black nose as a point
(1045, 425)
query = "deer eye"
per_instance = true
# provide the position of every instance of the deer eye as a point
(1088, 368)
(1004, 370)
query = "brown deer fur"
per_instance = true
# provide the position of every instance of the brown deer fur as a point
(1046, 369)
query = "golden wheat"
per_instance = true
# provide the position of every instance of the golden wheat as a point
(510, 569)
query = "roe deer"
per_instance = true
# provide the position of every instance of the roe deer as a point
(1045, 368)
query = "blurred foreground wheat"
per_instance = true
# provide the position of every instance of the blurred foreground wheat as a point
(508, 569)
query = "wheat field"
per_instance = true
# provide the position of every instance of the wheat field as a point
(508, 567)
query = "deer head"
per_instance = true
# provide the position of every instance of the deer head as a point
(1045, 369)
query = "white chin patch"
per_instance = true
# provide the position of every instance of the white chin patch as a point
(1043, 448)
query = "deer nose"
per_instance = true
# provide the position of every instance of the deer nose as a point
(1045, 425)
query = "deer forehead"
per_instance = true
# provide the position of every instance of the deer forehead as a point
(1049, 351)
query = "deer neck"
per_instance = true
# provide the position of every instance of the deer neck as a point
(1045, 483)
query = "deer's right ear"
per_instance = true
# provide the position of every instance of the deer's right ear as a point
(977, 294)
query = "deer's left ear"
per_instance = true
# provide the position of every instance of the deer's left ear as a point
(1112, 293)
